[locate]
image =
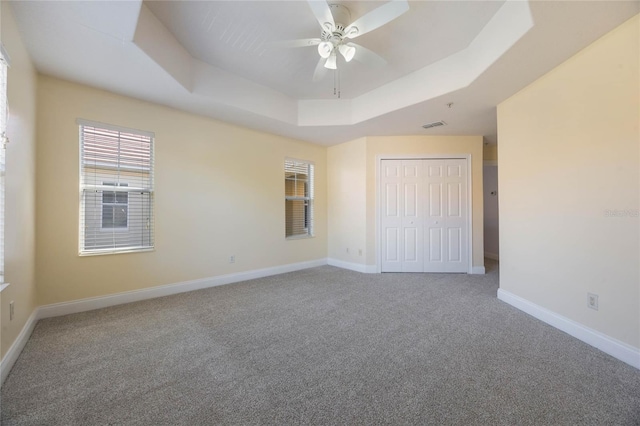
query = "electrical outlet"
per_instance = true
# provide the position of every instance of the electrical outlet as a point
(592, 301)
(232, 258)
(11, 310)
(347, 250)
(359, 252)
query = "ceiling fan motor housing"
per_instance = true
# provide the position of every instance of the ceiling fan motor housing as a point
(341, 17)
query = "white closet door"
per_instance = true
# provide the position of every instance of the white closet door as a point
(411, 249)
(457, 219)
(446, 216)
(435, 222)
(424, 216)
(391, 220)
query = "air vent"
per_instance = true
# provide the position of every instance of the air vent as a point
(434, 124)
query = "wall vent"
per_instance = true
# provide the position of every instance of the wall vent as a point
(434, 124)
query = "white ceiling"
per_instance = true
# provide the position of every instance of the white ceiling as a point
(214, 58)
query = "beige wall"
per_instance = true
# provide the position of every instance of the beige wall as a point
(569, 154)
(347, 188)
(219, 191)
(352, 189)
(490, 152)
(20, 186)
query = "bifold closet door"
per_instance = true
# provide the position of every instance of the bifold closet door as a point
(402, 205)
(424, 216)
(446, 216)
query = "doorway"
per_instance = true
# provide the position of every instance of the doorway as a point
(424, 215)
(491, 216)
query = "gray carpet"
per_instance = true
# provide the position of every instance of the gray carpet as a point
(319, 346)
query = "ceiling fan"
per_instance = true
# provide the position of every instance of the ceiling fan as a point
(338, 30)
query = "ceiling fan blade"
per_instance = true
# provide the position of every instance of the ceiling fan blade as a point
(320, 71)
(322, 12)
(377, 18)
(303, 42)
(367, 57)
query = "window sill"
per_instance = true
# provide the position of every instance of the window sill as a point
(3, 286)
(111, 251)
(299, 237)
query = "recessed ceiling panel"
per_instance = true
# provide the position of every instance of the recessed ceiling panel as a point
(236, 35)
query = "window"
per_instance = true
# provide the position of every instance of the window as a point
(298, 184)
(116, 185)
(4, 114)
(115, 207)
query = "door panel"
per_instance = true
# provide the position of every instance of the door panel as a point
(457, 222)
(454, 243)
(412, 183)
(393, 201)
(453, 199)
(436, 208)
(391, 220)
(411, 200)
(435, 170)
(434, 198)
(435, 245)
(393, 250)
(410, 244)
(454, 170)
(410, 168)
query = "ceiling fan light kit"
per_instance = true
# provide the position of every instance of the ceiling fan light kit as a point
(348, 52)
(325, 48)
(331, 62)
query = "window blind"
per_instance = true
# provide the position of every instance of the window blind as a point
(116, 185)
(299, 196)
(4, 115)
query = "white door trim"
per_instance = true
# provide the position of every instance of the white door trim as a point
(378, 220)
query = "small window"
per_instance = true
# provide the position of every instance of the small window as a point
(116, 185)
(299, 194)
(115, 208)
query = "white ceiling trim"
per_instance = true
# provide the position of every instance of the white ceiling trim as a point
(213, 83)
(512, 21)
(455, 72)
(163, 48)
(326, 112)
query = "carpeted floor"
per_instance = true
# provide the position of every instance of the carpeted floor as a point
(319, 346)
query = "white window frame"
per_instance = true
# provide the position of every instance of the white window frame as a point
(114, 204)
(309, 198)
(82, 251)
(4, 119)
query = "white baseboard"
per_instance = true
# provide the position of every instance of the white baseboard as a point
(372, 269)
(478, 270)
(609, 345)
(492, 256)
(91, 303)
(16, 348)
(357, 267)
